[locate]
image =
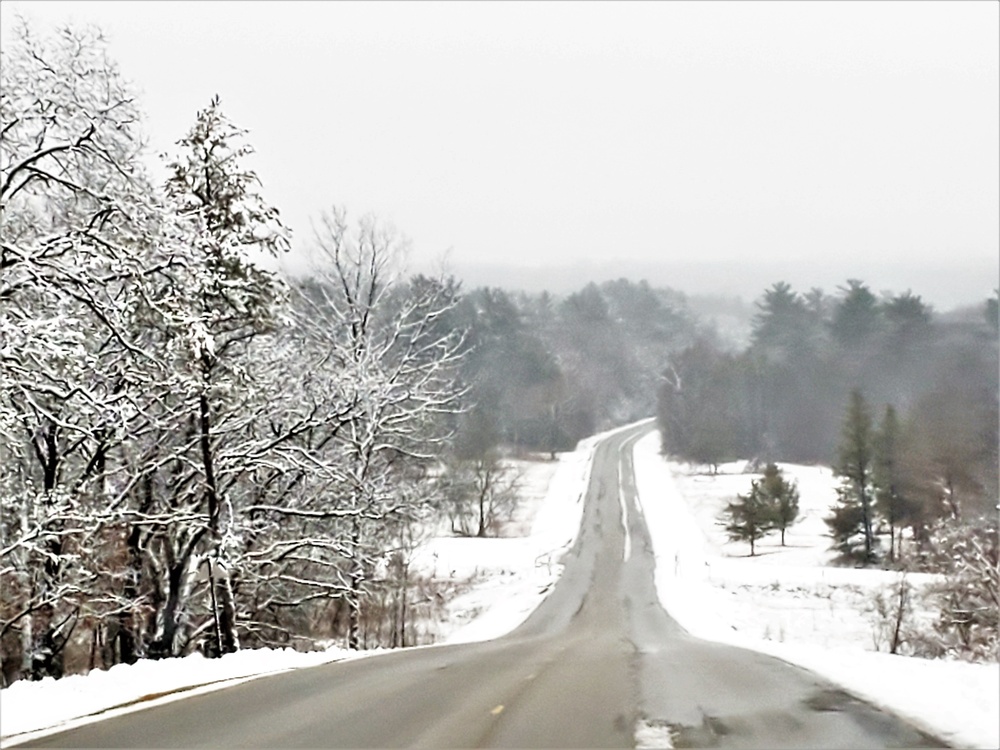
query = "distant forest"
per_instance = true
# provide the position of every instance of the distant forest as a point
(785, 396)
(548, 370)
(544, 371)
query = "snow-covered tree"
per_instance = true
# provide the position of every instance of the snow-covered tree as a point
(76, 211)
(397, 377)
(967, 602)
(221, 300)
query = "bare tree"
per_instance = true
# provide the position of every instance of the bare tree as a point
(397, 378)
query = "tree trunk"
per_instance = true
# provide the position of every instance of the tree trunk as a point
(402, 612)
(47, 659)
(866, 512)
(223, 606)
(227, 613)
(485, 472)
(354, 588)
(125, 637)
(901, 606)
(482, 517)
(163, 645)
(127, 651)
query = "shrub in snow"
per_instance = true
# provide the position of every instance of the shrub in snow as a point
(892, 615)
(966, 602)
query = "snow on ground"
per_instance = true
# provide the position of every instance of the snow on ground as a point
(509, 578)
(787, 603)
(783, 602)
(786, 594)
(511, 574)
(29, 706)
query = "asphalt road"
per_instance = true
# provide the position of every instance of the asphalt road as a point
(596, 661)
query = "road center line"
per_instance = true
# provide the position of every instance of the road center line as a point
(627, 553)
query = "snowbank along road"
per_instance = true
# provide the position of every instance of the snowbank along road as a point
(598, 664)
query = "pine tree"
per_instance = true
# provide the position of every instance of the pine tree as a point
(750, 517)
(855, 467)
(991, 312)
(782, 497)
(890, 501)
(857, 317)
(782, 327)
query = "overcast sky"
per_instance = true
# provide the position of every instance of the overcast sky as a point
(813, 140)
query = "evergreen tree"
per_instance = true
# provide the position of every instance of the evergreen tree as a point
(781, 326)
(750, 517)
(857, 317)
(782, 496)
(908, 318)
(991, 312)
(855, 466)
(890, 502)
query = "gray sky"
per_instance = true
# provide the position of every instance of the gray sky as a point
(808, 141)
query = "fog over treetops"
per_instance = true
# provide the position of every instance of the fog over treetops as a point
(944, 282)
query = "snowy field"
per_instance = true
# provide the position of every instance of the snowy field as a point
(513, 572)
(784, 602)
(787, 603)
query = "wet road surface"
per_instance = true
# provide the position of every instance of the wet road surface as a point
(598, 664)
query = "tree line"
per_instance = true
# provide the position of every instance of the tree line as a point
(901, 401)
(813, 358)
(545, 371)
